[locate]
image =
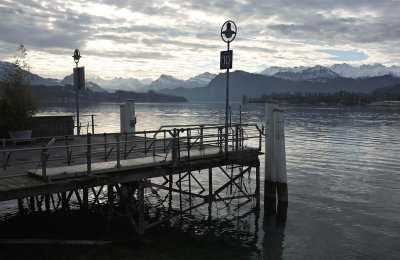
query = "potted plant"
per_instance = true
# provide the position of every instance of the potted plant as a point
(17, 104)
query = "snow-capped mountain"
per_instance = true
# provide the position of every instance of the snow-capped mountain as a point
(129, 84)
(35, 79)
(165, 81)
(69, 80)
(169, 82)
(343, 70)
(365, 71)
(200, 80)
(314, 73)
(275, 69)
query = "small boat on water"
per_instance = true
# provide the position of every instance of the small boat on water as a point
(386, 103)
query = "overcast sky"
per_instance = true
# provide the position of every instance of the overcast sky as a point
(143, 39)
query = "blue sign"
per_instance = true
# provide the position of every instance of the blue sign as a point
(226, 60)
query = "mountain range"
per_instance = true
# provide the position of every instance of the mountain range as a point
(211, 87)
(254, 85)
(344, 70)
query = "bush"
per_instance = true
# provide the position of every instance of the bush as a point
(17, 105)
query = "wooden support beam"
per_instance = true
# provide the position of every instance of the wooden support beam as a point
(141, 224)
(177, 190)
(229, 182)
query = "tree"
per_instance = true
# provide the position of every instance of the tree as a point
(17, 104)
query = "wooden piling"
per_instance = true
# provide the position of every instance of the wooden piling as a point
(270, 170)
(110, 198)
(141, 208)
(281, 174)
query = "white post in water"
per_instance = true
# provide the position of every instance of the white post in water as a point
(280, 159)
(270, 169)
(130, 118)
(122, 118)
(127, 116)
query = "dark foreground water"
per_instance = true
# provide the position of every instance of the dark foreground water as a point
(344, 193)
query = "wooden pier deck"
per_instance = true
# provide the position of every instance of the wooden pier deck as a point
(144, 158)
(72, 165)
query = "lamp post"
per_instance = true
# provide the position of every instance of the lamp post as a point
(77, 56)
(228, 34)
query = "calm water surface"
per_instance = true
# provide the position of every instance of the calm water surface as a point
(343, 177)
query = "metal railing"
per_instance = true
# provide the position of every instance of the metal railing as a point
(168, 142)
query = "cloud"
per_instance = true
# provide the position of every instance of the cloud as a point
(160, 36)
(341, 55)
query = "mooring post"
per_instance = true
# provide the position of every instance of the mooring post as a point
(130, 118)
(270, 170)
(281, 173)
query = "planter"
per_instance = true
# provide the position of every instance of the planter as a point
(21, 134)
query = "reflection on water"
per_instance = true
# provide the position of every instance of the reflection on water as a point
(343, 181)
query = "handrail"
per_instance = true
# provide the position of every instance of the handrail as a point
(134, 145)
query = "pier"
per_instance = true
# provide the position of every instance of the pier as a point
(124, 170)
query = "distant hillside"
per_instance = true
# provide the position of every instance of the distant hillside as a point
(255, 85)
(66, 96)
(36, 79)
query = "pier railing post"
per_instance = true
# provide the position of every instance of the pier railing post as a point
(145, 142)
(165, 136)
(43, 162)
(92, 124)
(201, 137)
(105, 147)
(237, 136)
(118, 152)
(174, 147)
(220, 138)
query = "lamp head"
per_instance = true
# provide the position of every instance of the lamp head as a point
(77, 56)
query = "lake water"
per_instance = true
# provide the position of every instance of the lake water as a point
(343, 178)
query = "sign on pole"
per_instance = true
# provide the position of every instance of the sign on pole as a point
(226, 60)
(79, 78)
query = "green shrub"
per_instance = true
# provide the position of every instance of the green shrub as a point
(17, 104)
